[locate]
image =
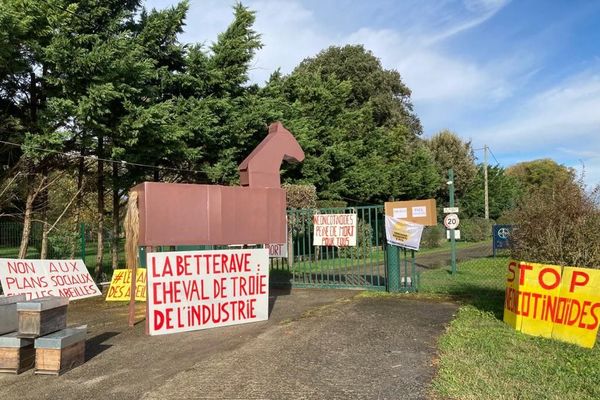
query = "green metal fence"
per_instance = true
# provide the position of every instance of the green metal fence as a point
(370, 265)
(81, 243)
(313, 266)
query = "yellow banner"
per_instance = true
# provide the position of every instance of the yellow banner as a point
(553, 302)
(120, 285)
(578, 308)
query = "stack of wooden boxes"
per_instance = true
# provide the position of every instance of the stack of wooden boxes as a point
(41, 330)
(16, 354)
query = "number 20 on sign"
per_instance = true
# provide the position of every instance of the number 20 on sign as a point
(451, 221)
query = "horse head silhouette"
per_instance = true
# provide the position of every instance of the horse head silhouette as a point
(261, 167)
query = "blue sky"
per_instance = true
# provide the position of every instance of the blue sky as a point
(522, 77)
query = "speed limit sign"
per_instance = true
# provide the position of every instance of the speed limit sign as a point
(451, 221)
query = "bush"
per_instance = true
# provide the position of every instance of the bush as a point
(433, 236)
(558, 225)
(332, 204)
(364, 242)
(475, 229)
(300, 196)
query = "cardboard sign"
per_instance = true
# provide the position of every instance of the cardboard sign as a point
(120, 285)
(422, 212)
(403, 233)
(40, 278)
(562, 303)
(194, 290)
(337, 230)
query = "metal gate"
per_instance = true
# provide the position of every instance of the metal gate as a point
(360, 267)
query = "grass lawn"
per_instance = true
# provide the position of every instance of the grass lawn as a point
(375, 258)
(480, 357)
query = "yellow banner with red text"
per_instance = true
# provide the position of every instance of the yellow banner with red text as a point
(561, 303)
(120, 285)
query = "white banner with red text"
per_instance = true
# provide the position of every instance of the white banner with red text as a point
(194, 290)
(39, 278)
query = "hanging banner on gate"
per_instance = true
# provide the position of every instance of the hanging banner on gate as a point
(403, 233)
(39, 278)
(337, 230)
(190, 290)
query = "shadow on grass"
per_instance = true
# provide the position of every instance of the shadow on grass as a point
(479, 282)
(486, 299)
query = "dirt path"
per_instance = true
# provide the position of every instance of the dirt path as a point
(442, 258)
(317, 344)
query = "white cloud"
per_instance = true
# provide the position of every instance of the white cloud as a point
(565, 113)
(291, 32)
(562, 122)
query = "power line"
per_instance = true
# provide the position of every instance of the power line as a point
(492, 153)
(94, 158)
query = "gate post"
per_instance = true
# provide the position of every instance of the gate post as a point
(393, 272)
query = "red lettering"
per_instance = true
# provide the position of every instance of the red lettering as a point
(586, 304)
(159, 320)
(155, 274)
(594, 316)
(522, 269)
(511, 270)
(570, 318)
(167, 270)
(168, 318)
(575, 282)
(553, 272)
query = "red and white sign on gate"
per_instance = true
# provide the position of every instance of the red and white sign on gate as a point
(204, 289)
(334, 230)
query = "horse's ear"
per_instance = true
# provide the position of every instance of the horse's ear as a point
(277, 127)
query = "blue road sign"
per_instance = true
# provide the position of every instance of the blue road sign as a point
(501, 235)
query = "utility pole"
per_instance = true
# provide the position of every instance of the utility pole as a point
(452, 235)
(485, 180)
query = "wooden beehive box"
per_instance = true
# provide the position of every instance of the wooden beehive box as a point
(42, 316)
(60, 351)
(16, 354)
(8, 313)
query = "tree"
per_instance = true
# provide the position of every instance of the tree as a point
(28, 113)
(503, 194)
(450, 151)
(540, 174)
(355, 122)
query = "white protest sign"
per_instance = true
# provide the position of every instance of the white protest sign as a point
(191, 290)
(334, 230)
(403, 233)
(39, 278)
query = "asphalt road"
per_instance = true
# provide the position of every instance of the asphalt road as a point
(317, 344)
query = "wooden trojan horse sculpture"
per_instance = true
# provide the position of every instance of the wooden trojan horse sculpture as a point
(170, 214)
